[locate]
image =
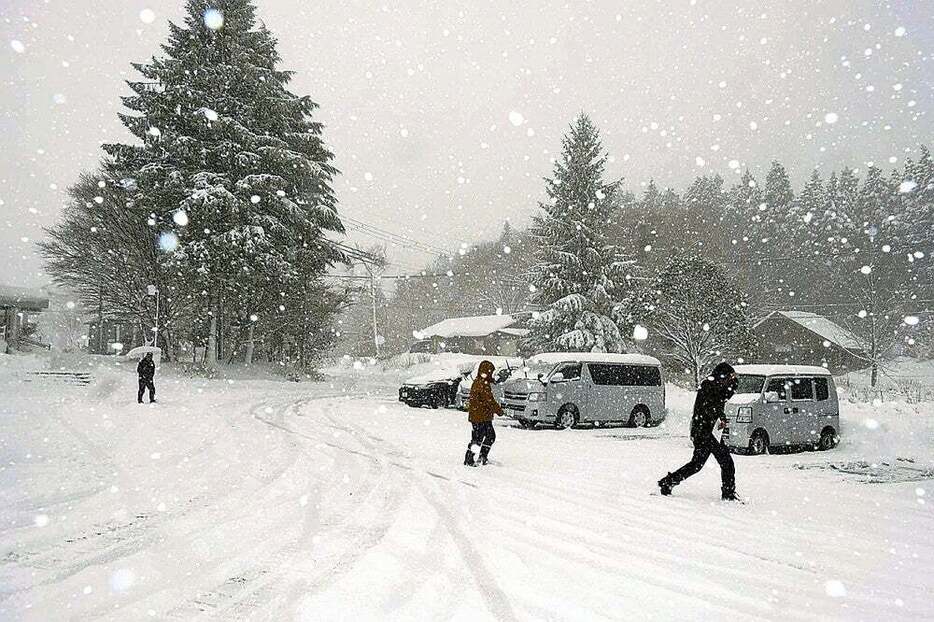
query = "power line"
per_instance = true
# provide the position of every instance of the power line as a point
(395, 238)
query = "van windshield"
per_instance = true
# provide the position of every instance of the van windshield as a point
(749, 384)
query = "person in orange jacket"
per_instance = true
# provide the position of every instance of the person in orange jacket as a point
(482, 406)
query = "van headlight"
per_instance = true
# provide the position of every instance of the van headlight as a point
(744, 414)
(536, 397)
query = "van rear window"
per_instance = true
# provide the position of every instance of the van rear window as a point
(821, 389)
(625, 375)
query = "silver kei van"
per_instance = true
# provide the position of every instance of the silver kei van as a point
(782, 406)
(589, 388)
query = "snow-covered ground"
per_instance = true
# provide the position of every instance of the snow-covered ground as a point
(270, 500)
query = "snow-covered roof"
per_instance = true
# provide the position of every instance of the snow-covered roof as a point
(781, 370)
(592, 357)
(820, 326)
(23, 298)
(477, 326)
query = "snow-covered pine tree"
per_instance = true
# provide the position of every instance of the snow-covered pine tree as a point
(580, 279)
(777, 194)
(702, 231)
(917, 190)
(740, 213)
(230, 167)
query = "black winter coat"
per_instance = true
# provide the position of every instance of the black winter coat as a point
(146, 369)
(708, 407)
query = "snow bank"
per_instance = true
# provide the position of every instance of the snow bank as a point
(885, 431)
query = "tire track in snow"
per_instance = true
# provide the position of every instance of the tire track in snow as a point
(290, 563)
(488, 587)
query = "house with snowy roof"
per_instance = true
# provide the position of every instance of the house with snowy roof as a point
(479, 334)
(18, 308)
(803, 338)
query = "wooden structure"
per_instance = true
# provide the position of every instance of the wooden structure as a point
(802, 338)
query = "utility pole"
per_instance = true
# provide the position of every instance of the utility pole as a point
(152, 290)
(100, 319)
(369, 271)
(371, 262)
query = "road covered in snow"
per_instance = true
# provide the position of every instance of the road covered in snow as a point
(270, 500)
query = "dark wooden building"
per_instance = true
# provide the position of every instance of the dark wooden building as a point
(802, 338)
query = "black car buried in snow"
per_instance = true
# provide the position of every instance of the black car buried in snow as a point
(435, 390)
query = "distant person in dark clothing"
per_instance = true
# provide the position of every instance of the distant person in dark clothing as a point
(712, 395)
(480, 410)
(146, 371)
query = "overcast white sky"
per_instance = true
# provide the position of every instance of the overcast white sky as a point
(421, 98)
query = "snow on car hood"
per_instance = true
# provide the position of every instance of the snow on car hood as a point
(744, 398)
(524, 385)
(437, 375)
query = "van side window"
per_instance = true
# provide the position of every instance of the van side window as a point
(647, 376)
(625, 375)
(780, 386)
(802, 389)
(821, 389)
(571, 371)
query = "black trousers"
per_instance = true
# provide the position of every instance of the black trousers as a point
(484, 435)
(704, 446)
(146, 383)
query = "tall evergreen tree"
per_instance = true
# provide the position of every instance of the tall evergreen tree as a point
(580, 278)
(702, 229)
(229, 162)
(917, 190)
(740, 208)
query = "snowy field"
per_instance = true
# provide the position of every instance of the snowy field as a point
(270, 500)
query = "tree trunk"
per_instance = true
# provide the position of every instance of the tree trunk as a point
(875, 374)
(248, 357)
(210, 356)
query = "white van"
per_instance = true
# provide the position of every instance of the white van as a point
(590, 388)
(782, 406)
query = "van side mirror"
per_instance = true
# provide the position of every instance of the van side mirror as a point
(558, 377)
(771, 397)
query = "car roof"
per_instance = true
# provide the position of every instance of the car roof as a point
(781, 370)
(594, 357)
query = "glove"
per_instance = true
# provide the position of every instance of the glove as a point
(721, 424)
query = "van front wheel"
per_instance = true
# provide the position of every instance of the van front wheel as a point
(639, 418)
(567, 418)
(828, 439)
(759, 443)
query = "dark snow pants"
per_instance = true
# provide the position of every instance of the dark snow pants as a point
(146, 383)
(703, 447)
(483, 435)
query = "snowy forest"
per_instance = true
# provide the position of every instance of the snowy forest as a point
(226, 207)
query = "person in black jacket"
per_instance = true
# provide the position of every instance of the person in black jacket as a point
(146, 370)
(713, 393)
